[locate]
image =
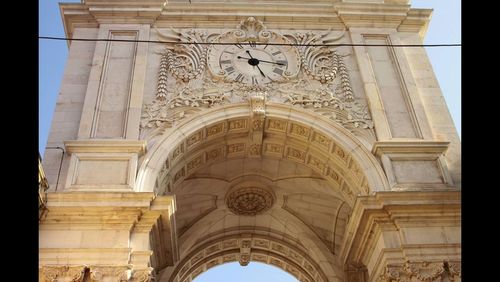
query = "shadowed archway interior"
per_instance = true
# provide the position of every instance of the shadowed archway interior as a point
(284, 201)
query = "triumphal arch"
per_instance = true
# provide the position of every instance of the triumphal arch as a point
(292, 133)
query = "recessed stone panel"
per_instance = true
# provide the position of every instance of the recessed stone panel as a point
(425, 171)
(102, 172)
(276, 125)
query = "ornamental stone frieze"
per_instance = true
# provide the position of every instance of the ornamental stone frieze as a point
(51, 273)
(422, 271)
(294, 68)
(115, 273)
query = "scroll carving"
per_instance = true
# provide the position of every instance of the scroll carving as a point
(185, 86)
(421, 271)
(184, 61)
(69, 273)
(320, 63)
(142, 275)
(117, 273)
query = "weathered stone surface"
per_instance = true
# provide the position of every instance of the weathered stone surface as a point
(333, 163)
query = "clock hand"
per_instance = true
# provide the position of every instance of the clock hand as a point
(257, 64)
(239, 57)
(248, 52)
(261, 71)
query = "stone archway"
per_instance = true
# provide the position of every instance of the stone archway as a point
(294, 163)
(326, 139)
(244, 247)
(238, 174)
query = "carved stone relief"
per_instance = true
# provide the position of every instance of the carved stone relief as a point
(67, 273)
(186, 85)
(142, 275)
(247, 248)
(422, 271)
(249, 201)
(322, 154)
(117, 273)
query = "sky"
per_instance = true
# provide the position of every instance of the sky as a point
(445, 27)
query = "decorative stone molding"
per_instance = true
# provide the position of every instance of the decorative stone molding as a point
(425, 271)
(213, 143)
(257, 119)
(419, 271)
(320, 63)
(117, 273)
(183, 100)
(119, 220)
(249, 201)
(143, 275)
(184, 61)
(399, 218)
(323, 86)
(68, 273)
(105, 146)
(394, 14)
(103, 165)
(245, 248)
(455, 270)
(258, 104)
(394, 273)
(414, 164)
(245, 252)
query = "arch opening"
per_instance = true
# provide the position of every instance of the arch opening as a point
(245, 248)
(290, 133)
(254, 271)
(293, 190)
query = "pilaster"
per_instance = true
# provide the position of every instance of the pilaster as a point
(405, 235)
(103, 165)
(414, 165)
(109, 236)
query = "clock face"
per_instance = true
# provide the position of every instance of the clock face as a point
(253, 63)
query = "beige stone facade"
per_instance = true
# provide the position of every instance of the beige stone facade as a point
(264, 131)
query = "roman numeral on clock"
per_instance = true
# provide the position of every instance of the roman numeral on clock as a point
(239, 77)
(278, 71)
(229, 70)
(281, 62)
(254, 80)
(276, 53)
(225, 61)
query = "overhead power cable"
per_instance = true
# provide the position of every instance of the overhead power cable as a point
(252, 43)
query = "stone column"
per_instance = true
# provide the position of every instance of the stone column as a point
(405, 236)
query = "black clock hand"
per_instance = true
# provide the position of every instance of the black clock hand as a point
(248, 52)
(257, 64)
(261, 71)
(239, 57)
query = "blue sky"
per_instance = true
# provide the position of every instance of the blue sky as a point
(445, 27)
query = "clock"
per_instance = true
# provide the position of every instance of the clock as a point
(259, 59)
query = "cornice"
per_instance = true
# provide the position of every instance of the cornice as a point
(218, 14)
(100, 199)
(105, 146)
(395, 209)
(394, 147)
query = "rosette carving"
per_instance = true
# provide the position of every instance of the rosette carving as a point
(249, 201)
